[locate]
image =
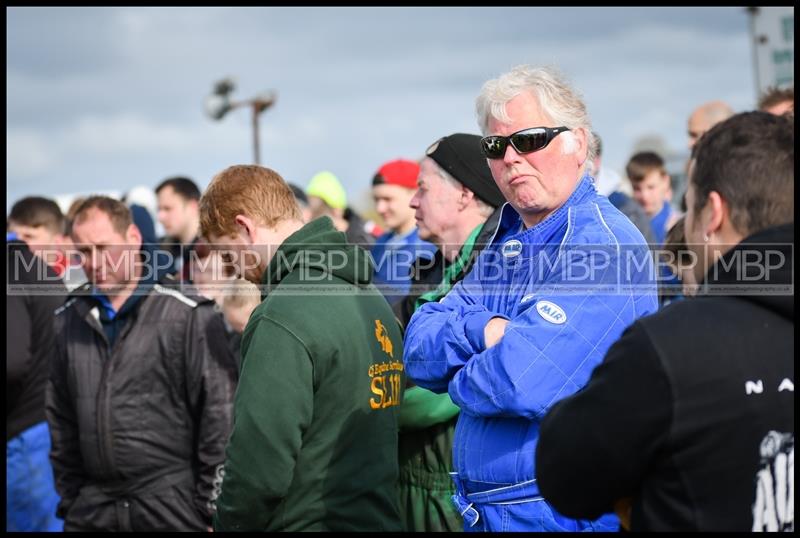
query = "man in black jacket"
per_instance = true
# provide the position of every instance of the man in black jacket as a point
(688, 424)
(140, 395)
(34, 292)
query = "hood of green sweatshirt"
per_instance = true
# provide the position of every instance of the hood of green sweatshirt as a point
(318, 255)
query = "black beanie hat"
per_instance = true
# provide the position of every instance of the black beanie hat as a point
(460, 155)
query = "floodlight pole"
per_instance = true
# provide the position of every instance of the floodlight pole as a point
(219, 103)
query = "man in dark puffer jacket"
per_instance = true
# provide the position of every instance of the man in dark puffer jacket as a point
(140, 395)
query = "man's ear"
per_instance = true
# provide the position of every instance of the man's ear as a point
(134, 236)
(576, 143)
(718, 212)
(246, 227)
(466, 197)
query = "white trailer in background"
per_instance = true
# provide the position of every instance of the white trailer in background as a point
(772, 35)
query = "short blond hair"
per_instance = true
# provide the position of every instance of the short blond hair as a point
(241, 293)
(252, 190)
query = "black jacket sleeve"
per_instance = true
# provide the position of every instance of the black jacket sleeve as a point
(595, 446)
(19, 324)
(211, 375)
(65, 452)
(34, 291)
(404, 309)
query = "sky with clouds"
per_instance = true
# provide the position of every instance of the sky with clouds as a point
(103, 99)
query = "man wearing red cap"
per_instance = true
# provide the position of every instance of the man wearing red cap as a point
(395, 251)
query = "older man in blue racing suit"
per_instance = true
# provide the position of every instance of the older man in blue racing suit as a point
(564, 275)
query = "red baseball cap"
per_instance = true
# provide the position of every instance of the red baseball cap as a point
(398, 172)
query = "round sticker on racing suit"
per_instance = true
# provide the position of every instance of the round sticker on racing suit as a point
(551, 312)
(512, 248)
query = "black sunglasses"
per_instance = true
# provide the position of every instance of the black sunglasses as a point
(524, 141)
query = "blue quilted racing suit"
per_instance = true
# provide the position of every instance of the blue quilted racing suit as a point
(569, 287)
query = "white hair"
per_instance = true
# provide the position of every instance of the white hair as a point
(569, 143)
(558, 100)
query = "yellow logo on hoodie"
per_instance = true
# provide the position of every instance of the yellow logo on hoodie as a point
(386, 376)
(382, 335)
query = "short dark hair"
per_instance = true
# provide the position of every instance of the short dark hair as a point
(38, 211)
(642, 164)
(773, 96)
(749, 160)
(118, 212)
(183, 186)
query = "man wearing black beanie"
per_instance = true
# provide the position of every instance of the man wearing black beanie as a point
(456, 196)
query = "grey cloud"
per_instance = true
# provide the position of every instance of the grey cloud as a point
(356, 86)
(53, 42)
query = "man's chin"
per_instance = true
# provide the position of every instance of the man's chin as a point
(425, 236)
(109, 288)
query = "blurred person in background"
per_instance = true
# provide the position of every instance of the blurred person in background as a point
(327, 197)
(240, 299)
(212, 276)
(777, 101)
(705, 117)
(33, 291)
(680, 260)
(143, 204)
(395, 252)
(39, 222)
(177, 212)
(209, 272)
(652, 190)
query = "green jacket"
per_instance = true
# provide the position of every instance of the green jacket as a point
(314, 442)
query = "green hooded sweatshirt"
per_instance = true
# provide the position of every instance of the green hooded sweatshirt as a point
(314, 442)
